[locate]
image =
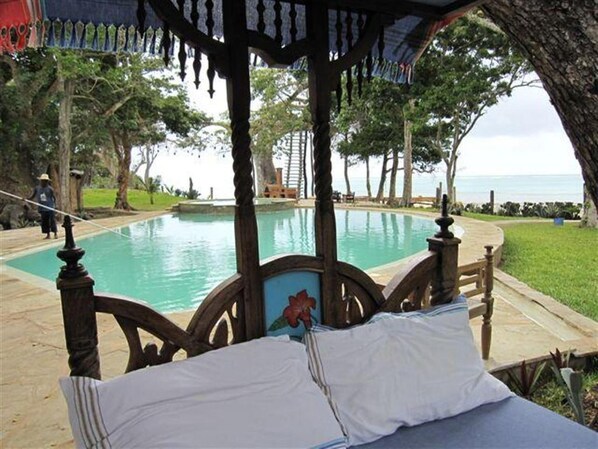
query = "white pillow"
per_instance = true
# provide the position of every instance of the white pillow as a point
(258, 394)
(401, 371)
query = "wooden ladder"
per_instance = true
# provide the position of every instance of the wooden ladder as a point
(295, 144)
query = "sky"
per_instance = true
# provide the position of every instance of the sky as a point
(521, 135)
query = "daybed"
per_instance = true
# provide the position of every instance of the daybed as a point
(372, 361)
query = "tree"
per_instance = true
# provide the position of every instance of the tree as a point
(137, 103)
(560, 41)
(152, 186)
(375, 126)
(283, 109)
(28, 117)
(471, 67)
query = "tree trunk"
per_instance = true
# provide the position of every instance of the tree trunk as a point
(266, 173)
(306, 136)
(408, 159)
(451, 170)
(394, 169)
(66, 90)
(347, 181)
(380, 194)
(368, 184)
(148, 165)
(122, 149)
(560, 40)
(590, 212)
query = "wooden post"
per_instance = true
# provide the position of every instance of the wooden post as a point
(454, 194)
(239, 99)
(492, 202)
(78, 309)
(319, 102)
(489, 301)
(444, 282)
(438, 197)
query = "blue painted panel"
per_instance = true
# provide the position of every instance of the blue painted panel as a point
(292, 303)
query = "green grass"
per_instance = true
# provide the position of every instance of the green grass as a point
(486, 217)
(559, 261)
(138, 199)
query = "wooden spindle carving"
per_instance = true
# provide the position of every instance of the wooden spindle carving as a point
(293, 17)
(211, 72)
(182, 60)
(141, 15)
(210, 17)
(78, 310)
(360, 24)
(369, 64)
(320, 101)
(381, 46)
(197, 68)
(197, 52)
(261, 24)
(166, 43)
(444, 243)
(488, 299)
(278, 21)
(339, 52)
(349, 73)
(182, 50)
(239, 99)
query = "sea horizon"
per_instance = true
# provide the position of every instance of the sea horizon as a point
(476, 188)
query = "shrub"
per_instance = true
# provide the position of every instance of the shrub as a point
(472, 207)
(456, 208)
(510, 209)
(487, 209)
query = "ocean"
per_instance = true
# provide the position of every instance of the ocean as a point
(476, 189)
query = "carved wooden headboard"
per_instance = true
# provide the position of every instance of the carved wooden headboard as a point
(292, 301)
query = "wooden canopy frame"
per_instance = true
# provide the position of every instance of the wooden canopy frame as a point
(234, 311)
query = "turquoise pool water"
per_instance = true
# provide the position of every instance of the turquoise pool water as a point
(173, 262)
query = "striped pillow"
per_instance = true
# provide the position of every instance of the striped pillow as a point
(256, 394)
(401, 370)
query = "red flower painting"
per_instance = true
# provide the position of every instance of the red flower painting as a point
(299, 309)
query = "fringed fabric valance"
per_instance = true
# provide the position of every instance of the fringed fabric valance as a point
(114, 27)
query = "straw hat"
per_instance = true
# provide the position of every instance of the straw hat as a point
(44, 177)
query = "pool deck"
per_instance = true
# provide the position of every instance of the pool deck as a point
(526, 325)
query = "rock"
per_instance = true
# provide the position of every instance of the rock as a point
(13, 216)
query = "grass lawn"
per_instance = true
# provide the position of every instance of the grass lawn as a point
(486, 217)
(559, 261)
(138, 199)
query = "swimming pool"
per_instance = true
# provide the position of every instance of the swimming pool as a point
(172, 262)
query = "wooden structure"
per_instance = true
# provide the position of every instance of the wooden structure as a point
(241, 307)
(278, 190)
(429, 201)
(476, 281)
(349, 197)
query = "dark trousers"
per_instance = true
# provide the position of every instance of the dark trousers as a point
(48, 221)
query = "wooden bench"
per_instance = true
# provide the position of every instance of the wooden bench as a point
(349, 198)
(424, 200)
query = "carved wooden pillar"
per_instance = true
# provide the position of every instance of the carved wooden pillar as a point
(444, 282)
(239, 98)
(78, 311)
(320, 90)
(489, 301)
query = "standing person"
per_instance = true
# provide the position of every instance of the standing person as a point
(44, 195)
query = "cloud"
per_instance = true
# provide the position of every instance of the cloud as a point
(527, 112)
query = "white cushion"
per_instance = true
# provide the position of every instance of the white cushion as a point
(258, 394)
(401, 371)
